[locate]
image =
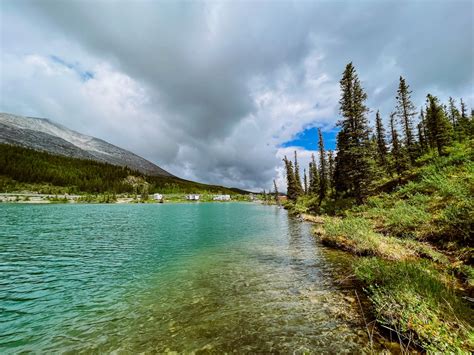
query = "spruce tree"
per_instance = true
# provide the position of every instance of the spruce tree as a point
(398, 159)
(298, 186)
(421, 138)
(323, 170)
(405, 112)
(314, 177)
(422, 135)
(290, 180)
(277, 195)
(439, 128)
(463, 109)
(305, 180)
(453, 112)
(464, 125)
(354, 163)
(331, 165)
(381, 143)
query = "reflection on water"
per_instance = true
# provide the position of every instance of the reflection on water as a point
(210, 277)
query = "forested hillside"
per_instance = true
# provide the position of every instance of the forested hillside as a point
(49, 173)
(403, 202)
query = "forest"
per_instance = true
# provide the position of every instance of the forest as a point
(24, 168)
(401, 200)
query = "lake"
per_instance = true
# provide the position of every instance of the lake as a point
(215, 277)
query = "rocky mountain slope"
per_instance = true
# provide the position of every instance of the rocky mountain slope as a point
(45, 135)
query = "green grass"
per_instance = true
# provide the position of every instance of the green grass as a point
(419, 303)
(357, 235)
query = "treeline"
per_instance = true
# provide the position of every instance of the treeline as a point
(25, 165)
(365, 155)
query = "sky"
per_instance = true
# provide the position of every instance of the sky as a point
(220, 91)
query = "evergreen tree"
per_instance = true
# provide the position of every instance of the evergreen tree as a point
(323, 170)
(463, 110)
(464, 126)
(381, 143)
(277, 195)
(265, 196)
(354, 163)
(144, 193)
(405, 113)
(422, 138)
(290, 180)
(313, 177)
(398, 159)
(439, 128)
(305, 179)
(298, 186)
(331, 164)
(453, 112)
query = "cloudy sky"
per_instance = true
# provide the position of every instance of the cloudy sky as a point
(219, 91)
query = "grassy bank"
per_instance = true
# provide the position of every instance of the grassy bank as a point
(414, 239)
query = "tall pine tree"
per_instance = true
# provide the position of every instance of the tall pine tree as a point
(464, 125)
(323, 170)
(399, 163)
(305, 182)
(291, 190)
(453, 112)
(313, 188)
(299, 187)
(406, 111)
(437, 124)
(354, 163)
(277, 195)
(381, 142)
(422, 138)
(331, 165)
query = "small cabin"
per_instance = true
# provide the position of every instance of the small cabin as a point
(157, 197)
(193, 197)
(221, 198)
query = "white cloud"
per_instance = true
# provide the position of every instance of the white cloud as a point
(210, 91)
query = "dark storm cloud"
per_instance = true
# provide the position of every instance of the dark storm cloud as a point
(199, 63)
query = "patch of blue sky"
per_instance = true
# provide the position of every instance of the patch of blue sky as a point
(83, 74)
(308, 139)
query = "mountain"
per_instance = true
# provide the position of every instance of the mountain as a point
(44, 135)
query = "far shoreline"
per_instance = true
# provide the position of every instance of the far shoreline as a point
(34, 198)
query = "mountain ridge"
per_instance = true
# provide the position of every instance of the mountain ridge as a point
(46, 135)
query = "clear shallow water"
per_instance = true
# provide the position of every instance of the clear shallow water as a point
(177, 277)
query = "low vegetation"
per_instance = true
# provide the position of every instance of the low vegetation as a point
(418, 302)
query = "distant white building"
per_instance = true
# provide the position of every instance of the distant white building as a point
(221, 198)
(193, 197)
(158, 197)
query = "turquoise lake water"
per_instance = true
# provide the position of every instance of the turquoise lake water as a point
(216, 277)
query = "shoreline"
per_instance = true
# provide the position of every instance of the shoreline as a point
(402, 281)
(37, 198)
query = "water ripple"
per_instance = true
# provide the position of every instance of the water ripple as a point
(155, 278)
